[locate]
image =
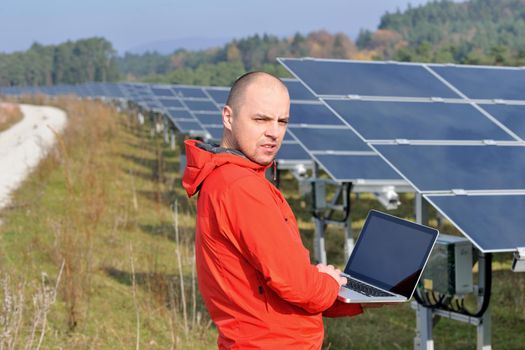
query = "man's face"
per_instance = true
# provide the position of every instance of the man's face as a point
(259, 123)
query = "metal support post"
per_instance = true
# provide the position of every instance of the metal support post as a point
(153, 130)
(165, 130)
(421, 209)
(483, 329)
(349, 237)
(319, 244)
(172, 139)
(423, 339)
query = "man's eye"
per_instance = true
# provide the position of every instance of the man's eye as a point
(283, 121)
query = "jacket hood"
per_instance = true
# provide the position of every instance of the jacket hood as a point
(202, 159)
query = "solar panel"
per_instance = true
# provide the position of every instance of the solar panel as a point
(209, 118)
(313, 114)
(292, 152)
(329, 139)
(185, 91)
(288, 136)
(162, 91)
(170, 103)
(485, 82)
(219, 95)
(512, 116)
(390, 120)
(447, 168)
(179, 114)
(495, 223)
(82, 90)
(114, 90)
(298, 91)
(352, 168)
(332, 77)
(152, 105)
(215, 132)
(477, 185)
(95, 90)
(199, 105)
(188, 126)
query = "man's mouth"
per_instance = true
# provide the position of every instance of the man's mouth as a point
(269, 146)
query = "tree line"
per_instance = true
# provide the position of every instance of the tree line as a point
(221, 65)
(71, 62)
(490, 32)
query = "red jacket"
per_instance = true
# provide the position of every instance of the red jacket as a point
(254, 273)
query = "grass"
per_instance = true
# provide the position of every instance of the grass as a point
(101, 206)
(10, 114)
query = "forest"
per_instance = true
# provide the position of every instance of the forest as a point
(489, 32)
(71, 62)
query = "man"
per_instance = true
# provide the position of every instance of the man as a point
(254, 273)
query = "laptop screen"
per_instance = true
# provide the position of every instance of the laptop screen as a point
(391, 253)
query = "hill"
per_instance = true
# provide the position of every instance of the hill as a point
(473, 32)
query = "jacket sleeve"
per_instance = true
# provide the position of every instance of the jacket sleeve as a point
(341, 309)
(257, 227)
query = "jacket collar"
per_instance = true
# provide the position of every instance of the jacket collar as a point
(202, 159)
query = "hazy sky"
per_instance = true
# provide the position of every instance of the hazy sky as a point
(129, 24)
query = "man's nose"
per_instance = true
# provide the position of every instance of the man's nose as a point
(272, 130)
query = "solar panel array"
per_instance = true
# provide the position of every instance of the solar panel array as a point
(327, 141)
(196, 111)
(193, 110)
(456, 133)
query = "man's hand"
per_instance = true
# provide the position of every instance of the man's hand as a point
(332, 271)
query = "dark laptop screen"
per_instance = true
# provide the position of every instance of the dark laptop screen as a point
(391, 253)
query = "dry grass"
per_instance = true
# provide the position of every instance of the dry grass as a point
(10, 114)
(101, 203)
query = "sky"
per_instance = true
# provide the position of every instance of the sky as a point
(134, 25)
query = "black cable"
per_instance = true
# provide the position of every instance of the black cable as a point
(426, 303)
(314, 209)
(460, 305)
(346, 215)
(487, 290)
(348, 207)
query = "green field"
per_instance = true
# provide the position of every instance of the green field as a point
(93, 255)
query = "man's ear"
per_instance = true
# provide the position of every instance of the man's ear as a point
(227, 117)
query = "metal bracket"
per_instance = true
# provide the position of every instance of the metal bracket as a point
(518, 260)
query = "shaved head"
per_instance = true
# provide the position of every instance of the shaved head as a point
(239, 87)
(255, 116)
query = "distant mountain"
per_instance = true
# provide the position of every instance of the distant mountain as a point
(167, 47)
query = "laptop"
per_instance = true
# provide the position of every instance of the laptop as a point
(387, 261)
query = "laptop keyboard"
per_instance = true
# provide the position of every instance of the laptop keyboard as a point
(366, 289)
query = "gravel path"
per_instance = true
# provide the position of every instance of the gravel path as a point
(24, 144)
